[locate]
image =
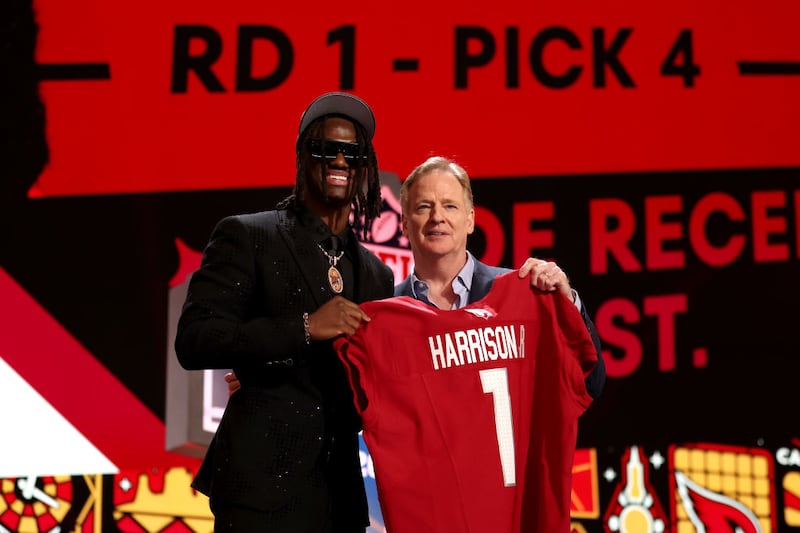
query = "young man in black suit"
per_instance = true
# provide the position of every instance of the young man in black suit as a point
(273, 289)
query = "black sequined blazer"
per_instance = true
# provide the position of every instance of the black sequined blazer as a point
(287, 443)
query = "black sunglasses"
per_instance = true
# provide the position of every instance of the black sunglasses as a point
(330, 150)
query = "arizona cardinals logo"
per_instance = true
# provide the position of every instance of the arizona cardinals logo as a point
(481, 313)
(711, 512)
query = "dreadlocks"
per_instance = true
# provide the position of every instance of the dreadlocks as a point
(366, 203)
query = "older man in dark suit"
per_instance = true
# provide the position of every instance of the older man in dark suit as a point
(437, 216)
(273, 289)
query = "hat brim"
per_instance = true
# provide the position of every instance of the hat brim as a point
(339, 103)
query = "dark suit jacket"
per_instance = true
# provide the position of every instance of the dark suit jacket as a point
(482, 280)
(287, 444)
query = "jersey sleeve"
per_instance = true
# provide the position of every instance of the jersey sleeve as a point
(580, 356)
(352, 352)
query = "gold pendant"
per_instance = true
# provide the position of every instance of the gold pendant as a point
(335, 280)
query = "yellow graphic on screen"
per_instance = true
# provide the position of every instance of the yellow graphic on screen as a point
(635, 508)
(155, 511)
(33, 504)
(715, 485)
(791, 491)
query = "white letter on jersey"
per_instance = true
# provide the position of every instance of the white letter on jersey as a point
(437, 352)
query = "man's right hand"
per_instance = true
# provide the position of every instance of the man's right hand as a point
(336, 317)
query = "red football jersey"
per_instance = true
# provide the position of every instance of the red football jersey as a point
(471, 415)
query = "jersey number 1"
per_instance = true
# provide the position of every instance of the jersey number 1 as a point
(495, 382)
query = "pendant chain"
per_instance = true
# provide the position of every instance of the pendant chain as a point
(335, 279)
(333, 260)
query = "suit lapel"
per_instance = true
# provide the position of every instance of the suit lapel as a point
(306, 257)
(482, 280)
(404, 288)
(364, 275)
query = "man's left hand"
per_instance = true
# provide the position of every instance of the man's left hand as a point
(546, 276)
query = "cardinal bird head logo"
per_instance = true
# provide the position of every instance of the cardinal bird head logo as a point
(711, 512)
(483, 312)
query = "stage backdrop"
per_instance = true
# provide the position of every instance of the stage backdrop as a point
(650, 149)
